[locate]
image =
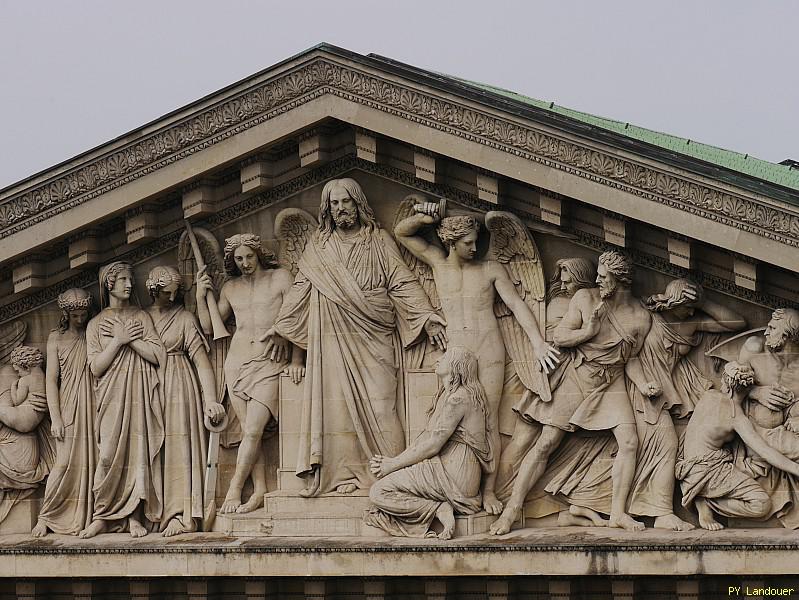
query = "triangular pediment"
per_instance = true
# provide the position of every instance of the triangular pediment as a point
(328, 111)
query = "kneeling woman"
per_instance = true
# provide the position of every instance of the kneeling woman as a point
(439, 474)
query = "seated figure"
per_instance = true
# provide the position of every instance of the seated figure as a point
(439, 474)
(707, 475)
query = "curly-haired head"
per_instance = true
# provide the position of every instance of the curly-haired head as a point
(26, 357)
(160, 277)
(72, 300)
(108, 278)
(737, 376)
(619, 265)
(252, 241)
(790, 318)
(673, 296)
(451, 229)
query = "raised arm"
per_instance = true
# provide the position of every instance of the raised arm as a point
(757, 444)
(722, 319)
(406, 231)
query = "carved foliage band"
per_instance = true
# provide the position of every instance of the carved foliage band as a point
(323, 76)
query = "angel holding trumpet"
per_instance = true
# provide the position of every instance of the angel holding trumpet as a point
(489, 303)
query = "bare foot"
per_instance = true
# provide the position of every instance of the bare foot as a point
(491, 503)
(706, 518)
(232, 502)
(346, 488)
(672, 522)
(40, 530)
(625, 521)
(596, 519)
(137, 530)
(502, 525)
(566, 519)
(256, 501)
(446, 515)
(175, 527)
(94, 528)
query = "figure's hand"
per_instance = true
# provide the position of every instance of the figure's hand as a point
(203, 282)
(215, 412)
(429, 212)
(594, 321)
(57, 429)
(690, 293)
(135, 330)
(548, 356)
(277, 347)
(380, 466)
(651, 389)
(296, 372)
(122, 333)
(436, 332)
(774, 397)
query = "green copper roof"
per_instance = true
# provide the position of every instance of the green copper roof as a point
(742, 163)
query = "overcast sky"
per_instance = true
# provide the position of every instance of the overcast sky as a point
(724, 72)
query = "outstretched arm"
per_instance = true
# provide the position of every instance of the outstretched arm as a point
(757, 444)
(406, 231)
(425, 446)
(722, 319)
(546, 354)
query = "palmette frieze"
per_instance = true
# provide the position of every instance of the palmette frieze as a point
(323, 76)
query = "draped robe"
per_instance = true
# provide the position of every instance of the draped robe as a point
(130, 424)
(68, 503)
(354, 305)
(184, 444)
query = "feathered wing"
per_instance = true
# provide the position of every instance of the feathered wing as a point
(11, 336)
(512, 246)
(293, 228)
(418, 267)
(212, 256)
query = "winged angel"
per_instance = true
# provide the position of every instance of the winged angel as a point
(493, 305)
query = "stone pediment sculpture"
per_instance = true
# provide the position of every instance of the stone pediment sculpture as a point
(384, 301)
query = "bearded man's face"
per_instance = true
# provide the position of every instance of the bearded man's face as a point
(606, 281)
(343, 209)
(776, 335)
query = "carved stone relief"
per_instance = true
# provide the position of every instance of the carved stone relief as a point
(612, 410)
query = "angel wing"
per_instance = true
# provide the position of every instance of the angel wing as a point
(293, 227)
(212, 255)
(512, 246)
(418, 267)
(730, 349)
(11, 336)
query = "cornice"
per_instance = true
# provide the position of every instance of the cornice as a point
(246, 206)
(323, 75)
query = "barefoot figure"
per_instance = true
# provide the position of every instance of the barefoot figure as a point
(68, 503)
(439, 474)
(605, 328)
(469, 289)
(254, 295)
(124, 353)
(708, 477)
(189, 394)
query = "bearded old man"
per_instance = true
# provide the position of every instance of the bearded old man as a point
(606, 328)
(354, 305)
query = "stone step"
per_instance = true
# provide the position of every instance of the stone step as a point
(345, 505)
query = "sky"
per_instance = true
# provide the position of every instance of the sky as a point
(76, 74)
